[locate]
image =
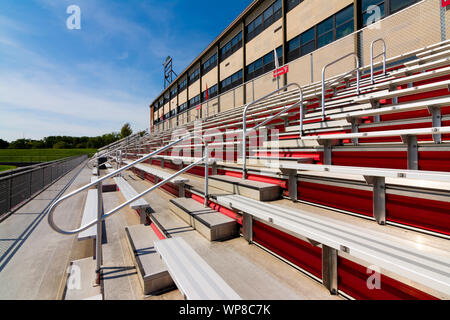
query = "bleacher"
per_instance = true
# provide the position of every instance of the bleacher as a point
(382, 156)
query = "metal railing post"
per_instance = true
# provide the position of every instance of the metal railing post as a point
(372, 58)
(99, 237)
(357, 69)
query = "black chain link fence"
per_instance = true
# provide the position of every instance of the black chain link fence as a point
(19, 185)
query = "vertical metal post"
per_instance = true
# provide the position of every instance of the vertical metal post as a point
(329, 269)
(247, 227)
(413, 152)
(206, 174)
(436, 117)
(99, 238)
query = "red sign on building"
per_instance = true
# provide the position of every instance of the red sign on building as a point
(445, 3)
(282, 70)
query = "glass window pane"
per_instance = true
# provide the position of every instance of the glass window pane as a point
(307, 36)
(344, 15)
(396, 5)
(258, 64)
(293, 44)
(308, 48)
(268, 58)
(325, 26)
(277, 6)
(258, 21)
(344, 29)
(268, 13)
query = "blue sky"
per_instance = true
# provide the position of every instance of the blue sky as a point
(56, 81)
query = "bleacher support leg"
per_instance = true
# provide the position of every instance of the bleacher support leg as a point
(413, 152)
(326, 151)
(437, 122)
(142, 215)
(247, 227)
(292, 183)
(329, 269)
(379, 198)
(181, 190)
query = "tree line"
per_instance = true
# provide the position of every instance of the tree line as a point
(66, 142)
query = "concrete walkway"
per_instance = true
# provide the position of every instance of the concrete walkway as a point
(33, 257)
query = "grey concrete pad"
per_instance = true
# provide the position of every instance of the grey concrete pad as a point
(81, 281)
(33, 264)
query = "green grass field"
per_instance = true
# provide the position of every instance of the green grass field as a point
(40, 155)
(6, 168)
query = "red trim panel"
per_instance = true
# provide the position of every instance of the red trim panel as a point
(420, 213)
(352, 279)
(353, 200)
(298, 252)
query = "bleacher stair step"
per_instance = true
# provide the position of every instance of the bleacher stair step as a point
(153, 274)
(256, 190)
(208, 222)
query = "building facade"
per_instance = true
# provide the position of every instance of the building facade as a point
(305, 35)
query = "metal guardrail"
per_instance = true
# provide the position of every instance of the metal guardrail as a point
(372, 58)
(18, 186)
(102, 216)
(286, 109)
(358, 76)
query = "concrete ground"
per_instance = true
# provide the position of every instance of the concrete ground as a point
(33, 257)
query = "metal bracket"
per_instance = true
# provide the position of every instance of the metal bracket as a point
(329, 269)
(436, 117)
(379, 198)
(247, 227)
(292, 183)
(413, 152)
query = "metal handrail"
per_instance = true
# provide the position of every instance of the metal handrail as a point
(350, 72)
(372, 58)
(51, 210)
(286, 109)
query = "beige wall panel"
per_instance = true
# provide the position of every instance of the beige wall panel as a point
(194, 89)
(226, 101)
(209, 79)
(182, 97)
(231, 65)
(264, 42)
(300, 71)
(173, 103)
(309, 13)
(413, 28)
(264, 85)
(166, 108)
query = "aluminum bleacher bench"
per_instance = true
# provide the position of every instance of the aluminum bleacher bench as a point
(94, 171)
(390, 253)
(408, 136)
(377, 177)
(128, 192)
(89, 214)
(162, 175)
(193, 276)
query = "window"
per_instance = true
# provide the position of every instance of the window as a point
(329, 30)
(264, 64)
(194, 76)
(212, 92)
(264, 20)
(231, 47)
(231, 82)
(166, 98)
(166, 116)
(182, 86)
(344, 22)
(209, 64)
(291, 4)
(373, 10)
(182, 108)
(325, 32)
(173, 113)
(173, 92)
(194, 102)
